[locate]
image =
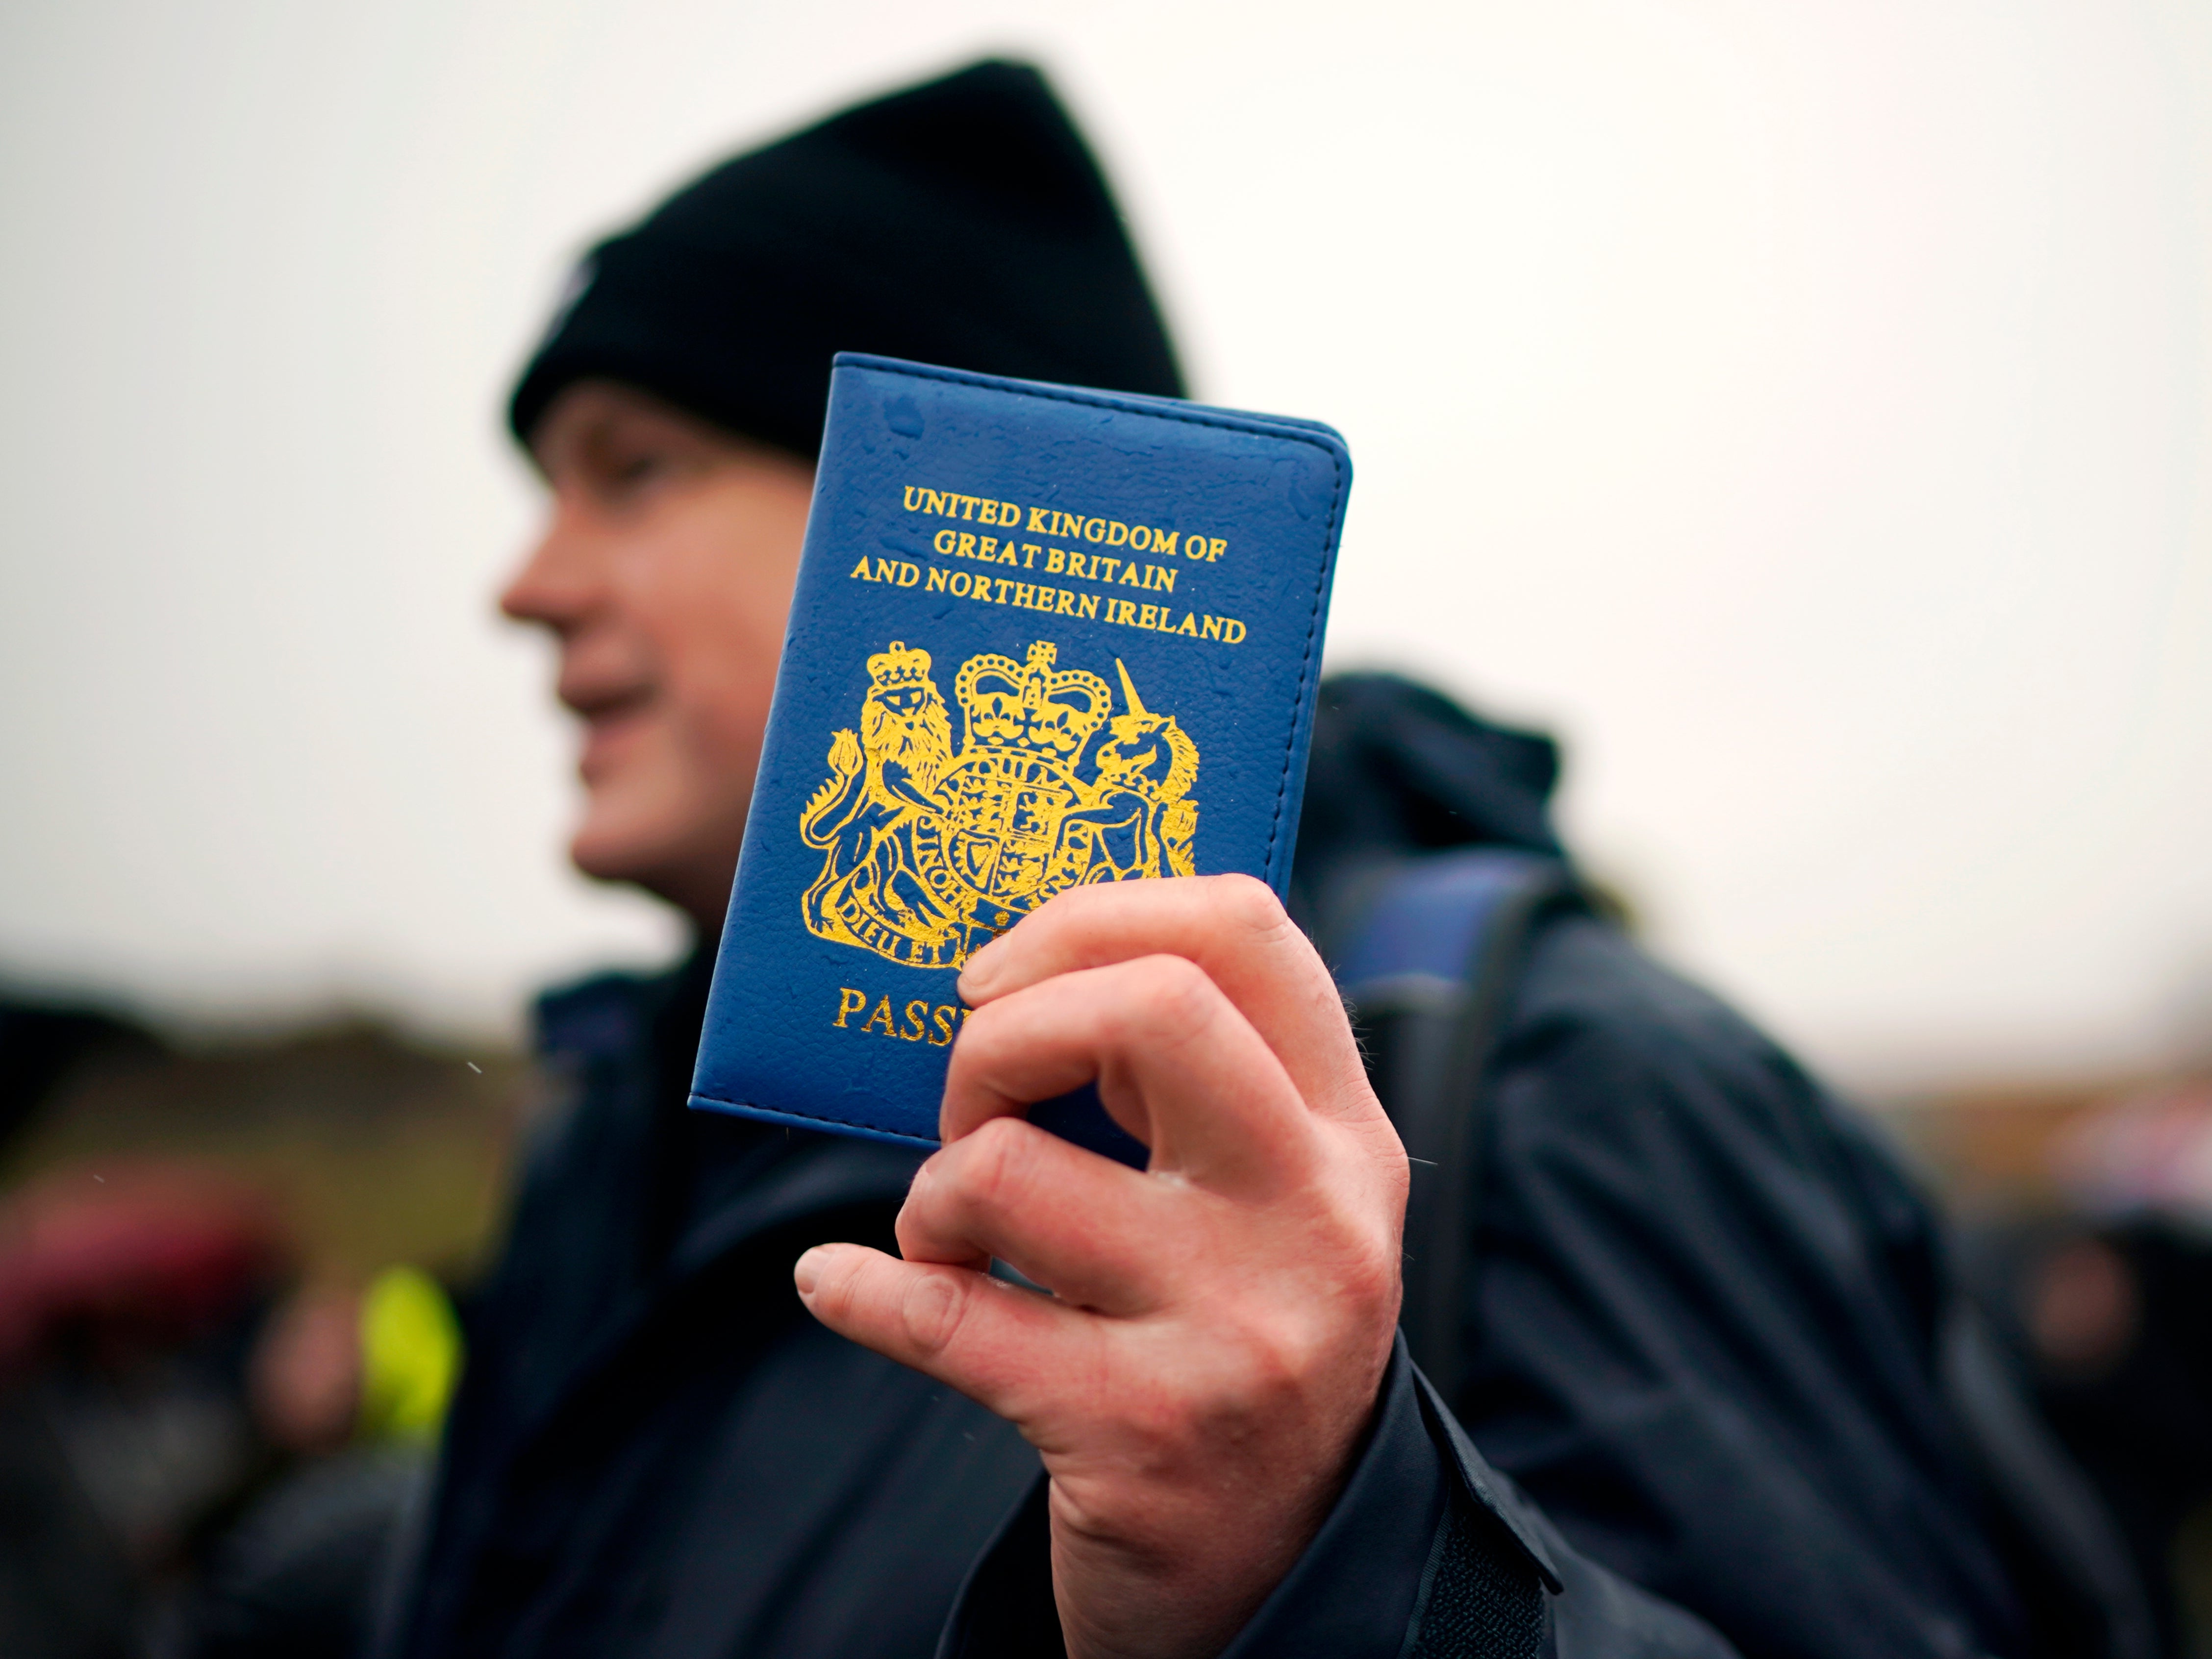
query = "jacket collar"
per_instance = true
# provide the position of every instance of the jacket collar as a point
(628, 1042)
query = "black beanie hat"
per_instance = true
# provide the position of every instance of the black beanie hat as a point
(961, 222)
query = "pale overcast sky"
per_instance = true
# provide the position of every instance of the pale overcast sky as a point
(1801, 409)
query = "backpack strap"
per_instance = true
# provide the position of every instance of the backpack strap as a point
(1429, 956)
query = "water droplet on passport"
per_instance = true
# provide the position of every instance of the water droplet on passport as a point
(902, 415)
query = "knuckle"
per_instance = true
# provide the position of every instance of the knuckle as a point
(1070, 909)
(931, 1310)
(1249, 905)
(1085, 1510)
(1261, 1377)
(1280, 1358)
(1172, 994)
(997, 1168)
(993, 1040)
(978, 1039)
(1357, 1271)
(1370, 1283)
(925, 1198)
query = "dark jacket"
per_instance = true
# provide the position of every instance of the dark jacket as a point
(1701, 1318)
(1705, 1297)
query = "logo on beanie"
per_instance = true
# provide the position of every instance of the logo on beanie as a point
(928, 854)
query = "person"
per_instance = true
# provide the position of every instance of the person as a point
(1700, 1326)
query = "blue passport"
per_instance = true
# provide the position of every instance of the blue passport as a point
(1042, 637)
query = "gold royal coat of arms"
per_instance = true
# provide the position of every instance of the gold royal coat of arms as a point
(928, 854)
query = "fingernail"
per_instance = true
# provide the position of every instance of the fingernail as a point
(806, 1270)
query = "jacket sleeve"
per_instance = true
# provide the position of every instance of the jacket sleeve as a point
(1428, 1553)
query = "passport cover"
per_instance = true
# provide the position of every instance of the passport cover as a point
(1042, 636)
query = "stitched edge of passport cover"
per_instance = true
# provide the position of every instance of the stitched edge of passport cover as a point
(1284, 821)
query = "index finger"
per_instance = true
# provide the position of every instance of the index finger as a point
(1232, 927)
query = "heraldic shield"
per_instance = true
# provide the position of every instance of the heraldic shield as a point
(929, 853)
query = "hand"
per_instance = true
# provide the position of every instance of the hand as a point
(1221, 1320)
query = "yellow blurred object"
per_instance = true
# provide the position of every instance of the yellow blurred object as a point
(410, 1356)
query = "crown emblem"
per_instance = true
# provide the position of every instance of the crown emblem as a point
(898, 666)
(928, 854)
(1031, 706)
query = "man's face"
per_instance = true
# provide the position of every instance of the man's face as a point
(666, 572)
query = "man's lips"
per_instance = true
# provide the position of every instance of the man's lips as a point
(594, 696)
(610, 720)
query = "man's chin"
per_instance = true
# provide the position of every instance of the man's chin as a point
(607, 854)
(692, 872)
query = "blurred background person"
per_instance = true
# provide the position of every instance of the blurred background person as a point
(215, 1406)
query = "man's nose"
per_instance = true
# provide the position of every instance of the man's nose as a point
(558, 581)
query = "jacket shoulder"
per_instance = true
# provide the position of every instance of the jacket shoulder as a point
(1612, 1061)
(1600, 1026)
(1584, 979)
